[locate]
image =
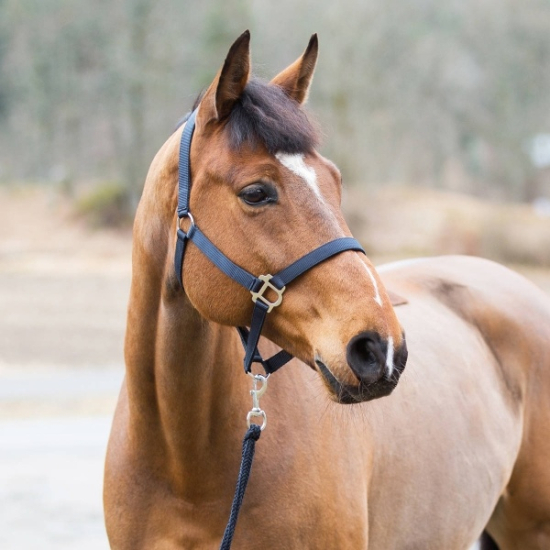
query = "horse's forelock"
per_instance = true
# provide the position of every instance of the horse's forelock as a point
(265, 114)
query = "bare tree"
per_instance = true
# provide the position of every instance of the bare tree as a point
(433, 93)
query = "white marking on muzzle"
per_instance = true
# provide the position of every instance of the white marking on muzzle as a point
(296, 164)
(377, 297)
(389, 357)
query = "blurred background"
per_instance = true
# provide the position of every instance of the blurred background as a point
(437, 113)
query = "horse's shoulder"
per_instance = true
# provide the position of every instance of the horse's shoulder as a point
(460, 282)
(510, 313)
(467, 295)
(497, 301)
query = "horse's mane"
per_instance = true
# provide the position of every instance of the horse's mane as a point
(265, 114)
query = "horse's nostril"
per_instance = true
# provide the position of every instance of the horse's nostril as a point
(366, 355)
(369, 353)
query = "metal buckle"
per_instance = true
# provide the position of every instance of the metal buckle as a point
(260, 294)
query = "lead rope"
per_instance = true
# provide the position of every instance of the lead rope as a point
(249, 444)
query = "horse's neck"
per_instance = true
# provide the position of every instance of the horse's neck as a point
(186, 391)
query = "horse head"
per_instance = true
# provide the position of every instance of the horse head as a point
(263, 194)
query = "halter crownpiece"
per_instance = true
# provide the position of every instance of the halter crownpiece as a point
(256, 285)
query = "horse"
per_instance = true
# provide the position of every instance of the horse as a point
(361, 452)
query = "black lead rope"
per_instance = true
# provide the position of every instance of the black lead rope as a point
(249, 443)
(258, 287)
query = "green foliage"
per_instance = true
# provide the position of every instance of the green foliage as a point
(106, 205)
(4, 80)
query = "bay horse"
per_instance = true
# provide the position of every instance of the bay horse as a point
(462, 444)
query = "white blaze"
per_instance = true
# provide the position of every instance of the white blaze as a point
(389, 357)
(377, 297)
(296, 164)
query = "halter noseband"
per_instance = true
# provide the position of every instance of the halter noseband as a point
(256, 285)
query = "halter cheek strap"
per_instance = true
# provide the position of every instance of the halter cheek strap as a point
(258, 286)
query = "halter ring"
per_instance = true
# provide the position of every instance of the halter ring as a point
(190, 216)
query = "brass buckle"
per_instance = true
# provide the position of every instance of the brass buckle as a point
(260, 294)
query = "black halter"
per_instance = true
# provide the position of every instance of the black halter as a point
(256, 285)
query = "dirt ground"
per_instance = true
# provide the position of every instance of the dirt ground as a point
(63, 295)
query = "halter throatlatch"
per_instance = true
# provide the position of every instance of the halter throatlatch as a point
(258, 286)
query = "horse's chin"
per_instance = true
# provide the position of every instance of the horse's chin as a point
(347, 394)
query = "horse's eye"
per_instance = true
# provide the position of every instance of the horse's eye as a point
(258, 194)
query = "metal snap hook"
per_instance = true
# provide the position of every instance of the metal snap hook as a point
(256, 393)
(255, 413)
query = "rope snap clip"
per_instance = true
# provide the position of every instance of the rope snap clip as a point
(256, 392)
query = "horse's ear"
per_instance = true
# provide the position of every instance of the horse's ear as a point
(296, 79)
(229, 83)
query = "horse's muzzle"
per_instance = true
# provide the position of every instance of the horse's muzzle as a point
(376, 365)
